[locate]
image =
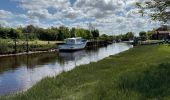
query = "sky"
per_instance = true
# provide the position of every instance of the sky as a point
(111, 17)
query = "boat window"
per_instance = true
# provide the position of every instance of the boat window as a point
(78, 40)
(70, 41)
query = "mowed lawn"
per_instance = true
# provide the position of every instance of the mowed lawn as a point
(140, 73)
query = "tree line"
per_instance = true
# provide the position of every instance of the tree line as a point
(50, 34)
(60, 33)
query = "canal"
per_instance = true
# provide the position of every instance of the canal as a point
(19, 73)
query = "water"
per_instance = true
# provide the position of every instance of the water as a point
(20, 73)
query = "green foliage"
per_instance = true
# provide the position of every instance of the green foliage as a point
(6, 47)
(159, 8)
(73, 32)
(50, 34)
(124, 37)
(143, 33)
(84, 33)
(47, 34)
(95, 33)
(30, 29)
(6, 33)
(129, 35)
(63, 33)
(150, 33)
(104, 37)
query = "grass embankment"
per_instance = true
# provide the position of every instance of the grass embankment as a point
(7, 46)
(138, 74)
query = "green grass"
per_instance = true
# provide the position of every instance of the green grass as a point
(21, 41)
(140, 73)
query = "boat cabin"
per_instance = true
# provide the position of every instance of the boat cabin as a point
(77, 40)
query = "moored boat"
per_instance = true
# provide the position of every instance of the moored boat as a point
(73, 44)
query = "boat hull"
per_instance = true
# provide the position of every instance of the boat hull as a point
(74, 47)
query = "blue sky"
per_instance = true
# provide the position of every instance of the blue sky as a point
(109, 16)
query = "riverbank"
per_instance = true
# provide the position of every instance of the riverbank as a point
(139, 73)
(28, 53)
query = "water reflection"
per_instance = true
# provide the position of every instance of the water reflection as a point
(19, 73)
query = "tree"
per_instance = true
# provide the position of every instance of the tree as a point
(13, 34)
(104, 37)
(73, 32)
(63, 33)
(4, 32)
(130, 35)
(141, 34)
(95, 33)
(158, 9)
(30, 29)
(150, 33)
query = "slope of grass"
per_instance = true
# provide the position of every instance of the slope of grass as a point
(138, 74)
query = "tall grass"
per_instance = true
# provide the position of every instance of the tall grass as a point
(7, 46)
(151, 83)
(140, 73)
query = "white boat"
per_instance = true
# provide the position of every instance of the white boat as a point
(73, 44)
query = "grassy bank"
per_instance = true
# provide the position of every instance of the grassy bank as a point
(7, 46)
(138, 74)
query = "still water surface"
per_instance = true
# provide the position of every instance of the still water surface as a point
(19, 73)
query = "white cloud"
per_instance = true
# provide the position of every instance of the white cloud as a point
(5, 14)
(40, 13)
(4, 23)
(43, 4)
(109, 16)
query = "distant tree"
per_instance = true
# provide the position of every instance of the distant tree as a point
(63, 33)
(150, 33)
(157, 9)
(142, 33)
(30, 29)
(129, 35)
(73, 32)
(88, 34)
(49, 34)
(4, 32)
(104, 37)
(13, 35)
(95, 33)
(83, 33)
